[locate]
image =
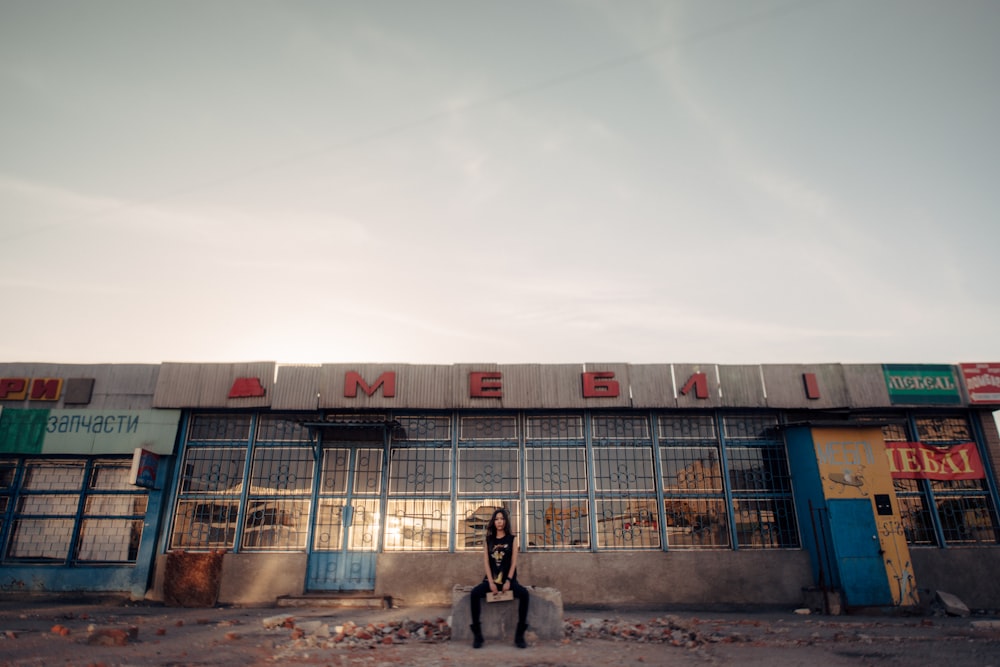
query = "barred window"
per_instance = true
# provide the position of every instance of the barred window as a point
(422, 428)
(278, 428)
(474, 519)
(417, 525)
(420, 471)
(43, 524)
(281, 481)
(554, 427)
(964, 508)
(418, 514)
(207, 510)
(627, 523)
(558, 508)
(694, 500)
(761, 514)
(760, 483)
(558, 523)
(491, 472)
(208, 428)
(620, 427)
(493, 428)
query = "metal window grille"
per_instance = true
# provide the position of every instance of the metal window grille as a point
(554, 427)
(73, 511)
(627, 523)
(759, 482)
(696, 523)
(557, 482)
(765, 523)
(620, 427)
(417, 524)
(210, 485)
(208, 428)
(749, 427)
(473, 518)
(277, 512)
(694, 502)
(418, 514)
(488, 472)
(493, 428)
(422, 428)
(964, 508)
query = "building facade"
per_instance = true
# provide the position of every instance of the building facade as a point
(673, 484)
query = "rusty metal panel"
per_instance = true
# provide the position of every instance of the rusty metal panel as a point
(684, 373)
(866, 386)
(742, 386)
(652, 386)
(786, 386)
(183, 385)
(297, 388)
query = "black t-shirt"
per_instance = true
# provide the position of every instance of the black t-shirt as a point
(501, 551)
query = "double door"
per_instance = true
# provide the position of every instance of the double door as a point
(347, 521)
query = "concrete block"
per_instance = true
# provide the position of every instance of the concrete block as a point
(952, 605)
(499, 619)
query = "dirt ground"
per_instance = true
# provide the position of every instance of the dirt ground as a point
(114, 632)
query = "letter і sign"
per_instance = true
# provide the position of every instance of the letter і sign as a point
(916, 460)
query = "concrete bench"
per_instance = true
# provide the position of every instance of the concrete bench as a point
(499, 619)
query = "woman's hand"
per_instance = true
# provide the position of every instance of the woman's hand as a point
(506, 585)
(493, 586)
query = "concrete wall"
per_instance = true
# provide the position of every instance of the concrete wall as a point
(970, 573)
(641, 579)
(260, 578)
(255, 579)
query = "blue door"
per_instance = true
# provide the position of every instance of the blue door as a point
(347, 522)
(858, 552)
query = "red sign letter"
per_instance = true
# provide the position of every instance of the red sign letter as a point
(46, 389)
(246, 388)
(353, 380)
(700, 383)
(599, 385)
(485, 385)
(13, 389)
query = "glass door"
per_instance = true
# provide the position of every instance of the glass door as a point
(348, 520)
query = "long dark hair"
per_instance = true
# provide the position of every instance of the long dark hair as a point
(491, 530)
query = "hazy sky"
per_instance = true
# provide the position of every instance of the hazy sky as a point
(751, 181)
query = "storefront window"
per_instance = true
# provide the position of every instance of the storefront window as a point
(556, 484)
(44, 524)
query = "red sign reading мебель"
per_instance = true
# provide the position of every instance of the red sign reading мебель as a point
(982, 381)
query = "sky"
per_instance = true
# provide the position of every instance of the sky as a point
(543, 181)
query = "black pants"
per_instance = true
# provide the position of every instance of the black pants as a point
(520, 592)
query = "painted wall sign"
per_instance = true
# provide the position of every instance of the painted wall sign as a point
(916, 460)
(982, 381)
(917, 384)
(85, 432)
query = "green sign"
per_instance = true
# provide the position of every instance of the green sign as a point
(87, 432)
(918, 384)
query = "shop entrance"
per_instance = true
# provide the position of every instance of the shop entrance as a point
(347, 524)
(858, 553)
